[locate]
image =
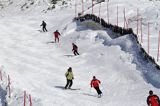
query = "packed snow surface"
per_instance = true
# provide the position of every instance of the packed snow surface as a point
(37, 66)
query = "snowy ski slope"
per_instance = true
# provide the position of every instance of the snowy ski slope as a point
(39, 68)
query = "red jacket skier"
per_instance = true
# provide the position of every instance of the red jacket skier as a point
(95, 83)
(152, 100)
(56, 35)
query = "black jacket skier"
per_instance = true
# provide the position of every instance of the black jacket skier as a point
(44, 26)
(75, 49)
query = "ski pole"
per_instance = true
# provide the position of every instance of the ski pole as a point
(90, 89)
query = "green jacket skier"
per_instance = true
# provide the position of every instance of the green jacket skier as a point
(69, 78)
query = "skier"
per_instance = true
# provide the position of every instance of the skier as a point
(95, 83)
(69, 77)
(44, 26)
(75, 49)
(56, 35)
(153, 100)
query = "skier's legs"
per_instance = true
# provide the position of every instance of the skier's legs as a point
(74, 52)
(77, 52)
(70, 83)
(55, 39)
(45, 29)
(58, 39)
(67, 84)
(98, 90)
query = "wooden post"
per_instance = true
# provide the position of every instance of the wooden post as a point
(108, 10)
(24, 98)
(99, 9)
(9, 82)
(9, 91)
(124, 19)
(30, 100)
(1, 75)
(9, 87)
(92, 6)
(82, 7)
(137, 20)
(141, 32)
(126, 23)
(75, 9)
(117, 15)
(148, 38)
(158, 46)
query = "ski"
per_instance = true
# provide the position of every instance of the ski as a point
(50, 42)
